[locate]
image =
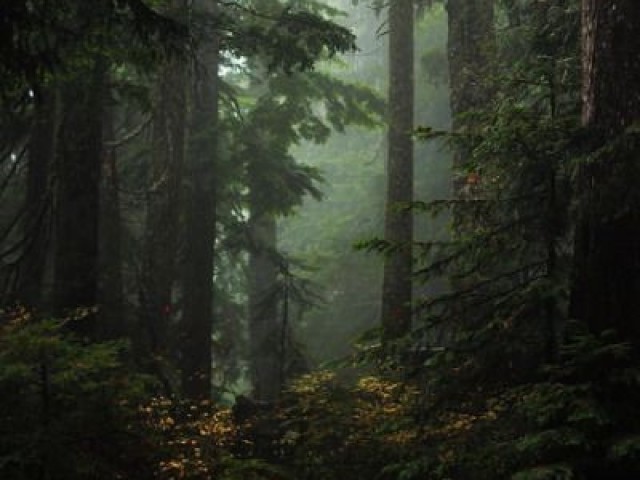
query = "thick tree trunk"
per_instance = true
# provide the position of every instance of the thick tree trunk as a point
(611, 64)
(78, 166)
(470, 50)
(264, 328)
(265, 360)
(606, 279)
(163, 208)
(41, 150)
(197, 321)
(397, 284)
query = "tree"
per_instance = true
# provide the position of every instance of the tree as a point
(606, 278)
(111, 292)
(82, 91)
(164, 202)
(288, 110)
(470, 51)
(200, 214)
(398, 230)
(41, 145)
(78, 171)
(264, 299)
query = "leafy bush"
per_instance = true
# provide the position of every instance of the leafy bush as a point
(332, 431)
(576, 419)
(67, 407)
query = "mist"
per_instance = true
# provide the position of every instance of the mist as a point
(319, 239)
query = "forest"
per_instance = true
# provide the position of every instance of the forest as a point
(319, 239)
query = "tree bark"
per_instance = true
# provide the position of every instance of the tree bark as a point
(41, 148)
(470, 50)
(397, 283)
(606, 279)
(611, 64)
(78, 166)
(264, 328)
(197, 321)
(111, 294)
(163, 208)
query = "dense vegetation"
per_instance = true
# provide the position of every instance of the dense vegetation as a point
(320, 240)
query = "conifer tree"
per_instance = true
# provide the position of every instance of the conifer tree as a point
(200, 215)
(41, 146)
(164, 201)
(78, 171)
(397, 280)
(606, 278)
(470, 50)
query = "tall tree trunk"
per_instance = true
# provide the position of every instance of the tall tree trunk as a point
(111, 295)
(264, 329)
(398, 228)
(265, 361)
(78, 165)
(606, 278)
(41, 148)
(197, 322)
(470, 50)
(163, 208)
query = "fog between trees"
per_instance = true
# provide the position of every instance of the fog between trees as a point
(319, 239)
